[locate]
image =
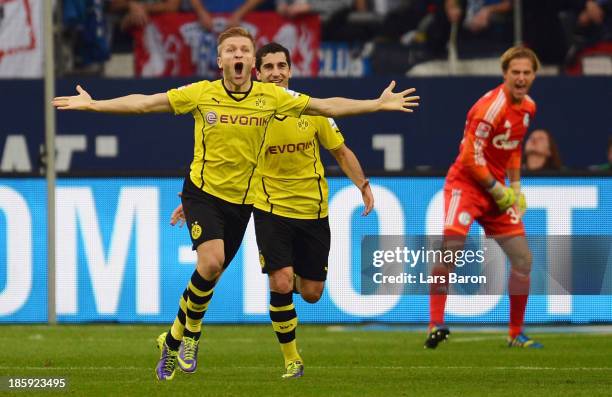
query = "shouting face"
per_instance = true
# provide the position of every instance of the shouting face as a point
(518, 78)
(236, 58)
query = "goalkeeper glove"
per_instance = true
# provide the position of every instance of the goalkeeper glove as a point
(521, 203)
(504, 196)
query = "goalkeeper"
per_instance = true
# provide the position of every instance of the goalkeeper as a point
(475, 189)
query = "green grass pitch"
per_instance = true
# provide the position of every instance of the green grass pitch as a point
(245, 360)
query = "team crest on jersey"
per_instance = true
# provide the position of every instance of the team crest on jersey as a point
(465, 218)
(196, 230)
(483, 130)
(262, 260)
(211, 117)
(526, 120)
(260, 102)
(302, 124)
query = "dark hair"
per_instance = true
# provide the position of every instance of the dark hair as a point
(271, 48)
(553, 162)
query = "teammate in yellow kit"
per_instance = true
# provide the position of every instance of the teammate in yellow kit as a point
(291, 222)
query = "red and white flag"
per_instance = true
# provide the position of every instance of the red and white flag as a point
(21, 53)
(176, 45)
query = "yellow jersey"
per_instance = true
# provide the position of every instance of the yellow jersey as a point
(291, 177)
(229, 132)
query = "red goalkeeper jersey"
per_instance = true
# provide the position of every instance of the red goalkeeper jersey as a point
(493, 136)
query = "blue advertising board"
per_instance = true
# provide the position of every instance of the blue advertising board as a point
(118, 259)
(390, 141)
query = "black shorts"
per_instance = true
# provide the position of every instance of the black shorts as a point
(301, 243)
(209, 217)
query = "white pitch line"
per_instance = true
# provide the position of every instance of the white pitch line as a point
(506, 368)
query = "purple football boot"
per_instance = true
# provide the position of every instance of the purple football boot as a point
(188, 355)
(167, 360)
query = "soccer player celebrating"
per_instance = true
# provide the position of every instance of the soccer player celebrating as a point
(475, 189)
(291, 222)
(231, 119)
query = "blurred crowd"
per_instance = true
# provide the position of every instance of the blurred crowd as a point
(398, 33)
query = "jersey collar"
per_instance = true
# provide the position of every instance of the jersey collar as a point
(231, 93)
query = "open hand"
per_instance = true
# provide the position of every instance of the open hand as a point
(77, 102)
(398, 101)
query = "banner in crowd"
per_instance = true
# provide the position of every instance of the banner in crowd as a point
(118, 259)
(175, 44)
(21, 40)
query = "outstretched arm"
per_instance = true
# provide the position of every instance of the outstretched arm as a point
(130, 104)
(341, 107)
(349, 163)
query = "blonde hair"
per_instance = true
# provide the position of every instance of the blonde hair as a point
(516, 53)
(236, 31)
